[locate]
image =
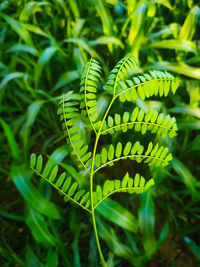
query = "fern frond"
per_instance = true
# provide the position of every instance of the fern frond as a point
(137, 185)
(78, 111)
(72, 124)
(124, 68)
(60, 182)
(154, 155)
(147, 85)
(141, 122)
(89, 82)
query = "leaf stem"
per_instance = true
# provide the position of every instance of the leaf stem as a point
(91, 186)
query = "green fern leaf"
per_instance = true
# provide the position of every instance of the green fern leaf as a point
(118, 150)
(72, 189)
(136, 180)
(32, 160)
(61, 179)
(39, 163)
(125, 180)
(104, 155)
(47, 168)
(53, 174)
(111, 152)
(127, 148)
(66, 184)
(99, 192)
(79, 194)
(85, 198)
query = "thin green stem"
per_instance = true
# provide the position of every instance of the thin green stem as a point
(91, 186)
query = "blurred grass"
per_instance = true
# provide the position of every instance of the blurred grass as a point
(43, 47)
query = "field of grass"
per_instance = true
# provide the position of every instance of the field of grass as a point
(44, 46)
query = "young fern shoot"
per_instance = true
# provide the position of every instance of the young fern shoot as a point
(79, 111)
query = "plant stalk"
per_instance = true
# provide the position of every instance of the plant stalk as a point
(91, 187)
(92, 205)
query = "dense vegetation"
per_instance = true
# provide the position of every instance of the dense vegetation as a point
(44, 47)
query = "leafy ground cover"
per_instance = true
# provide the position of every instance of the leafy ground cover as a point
(44, 46)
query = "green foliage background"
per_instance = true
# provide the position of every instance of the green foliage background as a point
(43, 48)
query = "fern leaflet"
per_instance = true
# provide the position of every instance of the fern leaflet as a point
(147, 85)
(141, 122)
(89, 82)
(137, 185)
(61, 182)
(124, 68)
(154, 155)
(72, 123)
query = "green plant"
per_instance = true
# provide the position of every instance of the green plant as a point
(78, 111)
